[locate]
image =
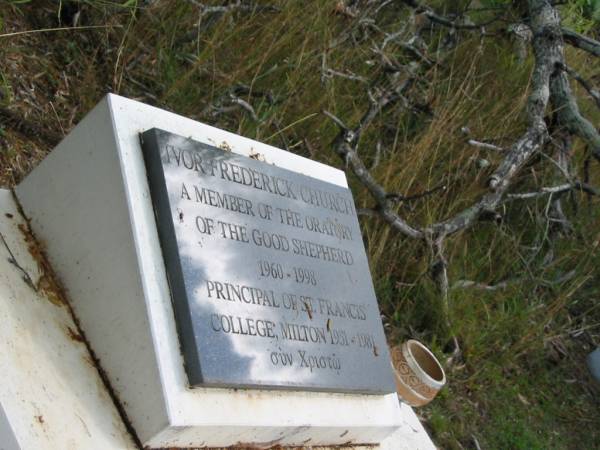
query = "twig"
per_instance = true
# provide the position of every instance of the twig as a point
(345, 146)
(485, 145)
(420, 195)
(369, 212)
(336, 120)
(57, 119)
(231, 102)
(455, 24)
(554, 190)
(13, 261)
(330, 73)
(245, 105)
(377, 158)
(476, 442)
(236, 5)
(243, 89)
(465, 284)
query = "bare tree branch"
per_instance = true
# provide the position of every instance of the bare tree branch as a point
(237, 5)
(460, 23)
(583, 82)
(369, 212)
(465, 284)
(548, 50)
(244, 105)
(556, 190)
(330, 73)
(485, 145)
(420, 195)
(547, 45)
(568, 112)
(580, 41)
(231, 101)
(499, 182)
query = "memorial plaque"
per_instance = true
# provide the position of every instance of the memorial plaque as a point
(268, 274)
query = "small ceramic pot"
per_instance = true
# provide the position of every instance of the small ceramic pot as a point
(419, 375)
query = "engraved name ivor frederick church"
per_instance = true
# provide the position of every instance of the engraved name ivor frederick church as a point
(275, 274)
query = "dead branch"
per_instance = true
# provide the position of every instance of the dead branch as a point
(237, 5)
(522, 38)
(244, 105)
(368, 212)
(583, 82)
(12, 260)
(561, 95)
(556, 190)
(346, 144)
(562, 141)
(459, 23)
(344, 148)
(547, 47)
(331, 73)
(418, 196)
(580, 41)
(548, 84)
(243, 89)
(547, 50)
(209, 15)
(377, 158)
(414, 46)
(465, 284)
(231, 101)
(485, 145)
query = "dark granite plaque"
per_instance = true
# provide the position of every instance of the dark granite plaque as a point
(268, 274)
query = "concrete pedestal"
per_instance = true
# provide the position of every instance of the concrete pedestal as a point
(89, 205)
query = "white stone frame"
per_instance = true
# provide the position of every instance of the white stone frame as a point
(89, 203)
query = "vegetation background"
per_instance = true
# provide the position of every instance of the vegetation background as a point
(265, 72)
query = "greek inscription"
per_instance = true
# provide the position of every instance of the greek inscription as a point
(316, 361)
(282, 359)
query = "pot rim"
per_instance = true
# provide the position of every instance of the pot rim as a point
(412, 361)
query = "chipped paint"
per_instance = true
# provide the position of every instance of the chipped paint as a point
(257, 156)
(47, 282)
(225, 146)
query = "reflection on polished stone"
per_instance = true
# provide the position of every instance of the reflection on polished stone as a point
(268, 273)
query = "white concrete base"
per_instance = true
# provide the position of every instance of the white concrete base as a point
(51, 396)
(89, 203)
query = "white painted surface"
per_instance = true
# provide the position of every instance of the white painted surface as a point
(8, 440)
(51, 396)
(89, 201)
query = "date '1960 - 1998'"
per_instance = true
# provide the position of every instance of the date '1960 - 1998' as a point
(268, 269)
